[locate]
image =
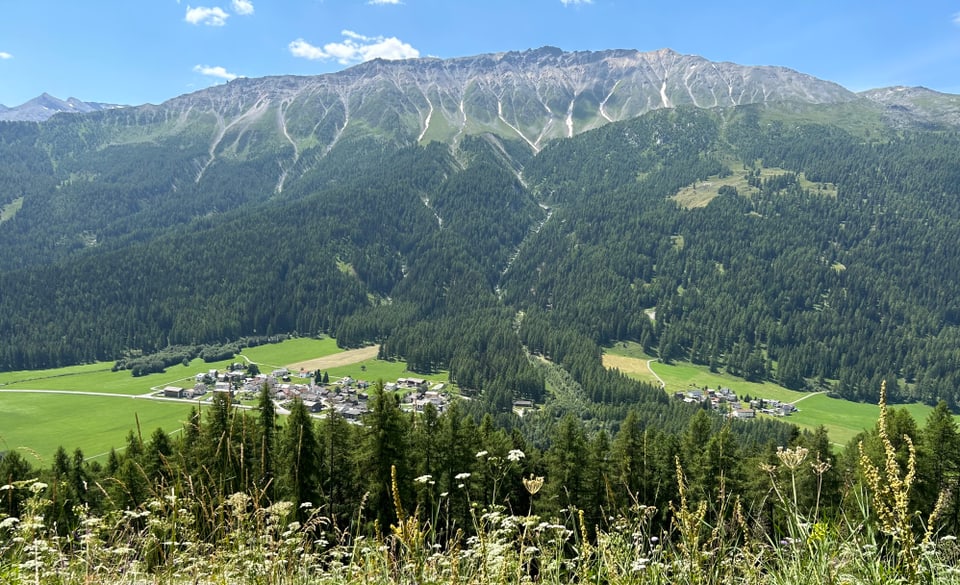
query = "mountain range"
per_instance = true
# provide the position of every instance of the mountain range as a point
(42, 107)
(776, 224)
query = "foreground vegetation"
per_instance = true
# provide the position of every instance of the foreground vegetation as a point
(402, 532)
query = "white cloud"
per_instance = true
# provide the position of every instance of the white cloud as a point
(575, 2)
(956, 18)
(218, 72)
(4, 55)
(209, 16)
(243, 7)
(355, 48)
(384, 2)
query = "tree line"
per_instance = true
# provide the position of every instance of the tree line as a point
(358, 476)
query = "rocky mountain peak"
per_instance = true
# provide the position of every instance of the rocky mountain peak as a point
(44, 106)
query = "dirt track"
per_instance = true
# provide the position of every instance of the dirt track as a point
(344, 358)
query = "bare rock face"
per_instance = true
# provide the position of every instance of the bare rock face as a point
(533, 96)
(917, 105)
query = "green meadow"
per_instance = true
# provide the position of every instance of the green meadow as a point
(843, 419)
(37, 424)
(276, 355)
(388, 371)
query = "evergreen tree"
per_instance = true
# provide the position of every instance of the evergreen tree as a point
(384, 447)
(13, 468)
(567, 474)
(939, 464)
(338, 478)
(157, 458)
(299, 473)
(267, 414)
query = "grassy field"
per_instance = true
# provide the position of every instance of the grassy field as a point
(293, 350)
(373, 370)
(42, 422)
(39, 423)
(701, 193)
(98, 377)
(842, 418)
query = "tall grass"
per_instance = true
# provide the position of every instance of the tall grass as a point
(878, 540)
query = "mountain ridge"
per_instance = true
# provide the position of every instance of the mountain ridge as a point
(533, 95)
(45, 106)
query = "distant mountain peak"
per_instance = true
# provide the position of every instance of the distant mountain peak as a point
(914, 105)
(44, 106)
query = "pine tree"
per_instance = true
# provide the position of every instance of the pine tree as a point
(384, 447)
(299, 472)
(268, 437)
(338, 479)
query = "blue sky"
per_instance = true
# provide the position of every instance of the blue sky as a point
(147, 51)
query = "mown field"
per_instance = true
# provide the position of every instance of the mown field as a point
(38, 423)
(842, 418)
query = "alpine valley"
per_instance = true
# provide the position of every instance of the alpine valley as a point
(467, 213)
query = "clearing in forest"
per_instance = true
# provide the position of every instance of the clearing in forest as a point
(630, 366)
(344, 358)
(701, 193)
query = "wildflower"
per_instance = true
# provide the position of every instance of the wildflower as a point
(8, 522)
(481, 454)
(792, 458)
(533, 484)
(462, 476)
(423, 478)
(37, 487)
(515, 455)
(639, 564)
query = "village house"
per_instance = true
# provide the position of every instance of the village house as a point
(173, 392)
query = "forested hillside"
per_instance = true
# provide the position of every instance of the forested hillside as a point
(817, 255)
(835, 264)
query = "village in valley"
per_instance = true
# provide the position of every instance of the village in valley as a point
(350, 397)
(726, 400)
(347, 396)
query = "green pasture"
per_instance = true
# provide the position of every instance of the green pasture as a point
(683, 376)
(21, 376)
(277, 355)
(388, 371)
(98, 377)
(843, 419)
(40, 423)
